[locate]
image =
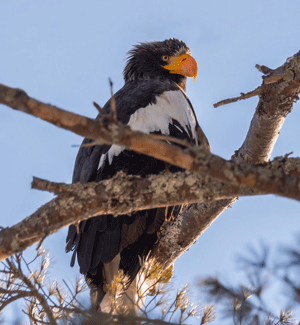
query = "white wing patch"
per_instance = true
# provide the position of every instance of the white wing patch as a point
(157, 117)
(171, 105)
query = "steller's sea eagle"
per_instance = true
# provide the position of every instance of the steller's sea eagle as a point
(152, 100)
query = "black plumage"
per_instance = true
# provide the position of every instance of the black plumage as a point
(152, 100)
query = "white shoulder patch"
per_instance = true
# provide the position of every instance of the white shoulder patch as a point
(171, 105)
(157, 117)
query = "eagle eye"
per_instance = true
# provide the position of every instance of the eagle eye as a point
(165, 58)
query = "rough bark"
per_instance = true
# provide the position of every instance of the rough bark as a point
(120, 195)
(104, 130)
(125, 194)
(197, 159)
(279, 91)
(280, 88)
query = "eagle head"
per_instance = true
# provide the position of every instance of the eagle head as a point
(169, 59)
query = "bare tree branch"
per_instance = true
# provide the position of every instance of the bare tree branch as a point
(275, 103)
(127, 194)
(120, 195)
(104, 130)
(109, 130)
(250, 94)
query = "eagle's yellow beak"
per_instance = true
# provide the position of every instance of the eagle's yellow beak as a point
(184, 64)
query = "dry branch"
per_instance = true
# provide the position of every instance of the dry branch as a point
(108, 130)
(276, 101)
(105, 130)
(250, 94)
(120, 195)
(125, 194)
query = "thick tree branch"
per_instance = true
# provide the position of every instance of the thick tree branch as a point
(120, 195)
(275, 103)
(109, 130)
(125, 194)
(104, 130)
(279, 91)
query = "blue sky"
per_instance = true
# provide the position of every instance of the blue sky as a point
(63, 52)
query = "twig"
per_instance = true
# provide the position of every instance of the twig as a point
(29, 270)
(113, 111)
(8, 301)
(72, 294)
(98, 107)
(33, 291)
(252, 93)
(263, 69)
